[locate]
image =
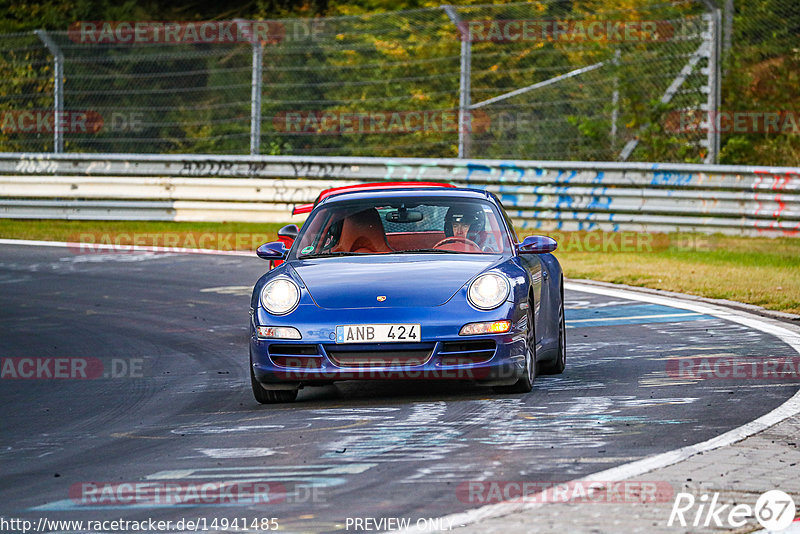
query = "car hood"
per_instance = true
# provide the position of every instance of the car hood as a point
(419, 280)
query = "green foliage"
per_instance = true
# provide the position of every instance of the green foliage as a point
(762, 74)
(204, 106)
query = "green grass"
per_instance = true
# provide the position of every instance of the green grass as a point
(760, 271)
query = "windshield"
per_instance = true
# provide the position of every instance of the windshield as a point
(403, 225)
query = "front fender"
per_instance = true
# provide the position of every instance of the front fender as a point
(547, 322)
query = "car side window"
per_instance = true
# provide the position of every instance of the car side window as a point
(332, 235)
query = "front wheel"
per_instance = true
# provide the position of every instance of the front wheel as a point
(268, 396)
(525, 383)
(556, 367)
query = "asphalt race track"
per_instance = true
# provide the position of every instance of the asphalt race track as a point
(165, 336)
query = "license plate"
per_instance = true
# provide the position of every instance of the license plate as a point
(378, 333)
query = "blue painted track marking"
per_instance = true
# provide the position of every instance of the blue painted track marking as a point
(629, 314)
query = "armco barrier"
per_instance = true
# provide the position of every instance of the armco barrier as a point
(544, 195)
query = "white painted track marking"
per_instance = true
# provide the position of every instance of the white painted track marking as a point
(639, 467)
(787, 409)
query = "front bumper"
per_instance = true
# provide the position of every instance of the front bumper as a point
(441, 354)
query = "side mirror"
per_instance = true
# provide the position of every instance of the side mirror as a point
(272, 251)
(289, 231)
(537, 244)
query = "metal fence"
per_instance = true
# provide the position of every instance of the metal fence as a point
(549, 80)
(761, 59)
(538, 195)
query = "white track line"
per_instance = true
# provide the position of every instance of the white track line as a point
(794, 528)
(94, 248)
(639, 467)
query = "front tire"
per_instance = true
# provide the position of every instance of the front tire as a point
(525, 383)
(267, 396)
(557, 366)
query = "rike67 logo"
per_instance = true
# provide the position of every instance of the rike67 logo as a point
(774, 510)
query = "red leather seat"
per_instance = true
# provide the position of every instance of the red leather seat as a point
(362, 232)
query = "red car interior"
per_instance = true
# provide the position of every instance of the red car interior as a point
(362, 232)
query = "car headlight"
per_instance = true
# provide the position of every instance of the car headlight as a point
(280, 296)
(488, 291)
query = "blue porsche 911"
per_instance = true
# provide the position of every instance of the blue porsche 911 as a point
(405, 281)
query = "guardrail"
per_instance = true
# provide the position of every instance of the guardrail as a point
(544, 195)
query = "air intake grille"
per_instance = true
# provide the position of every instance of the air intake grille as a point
(286, 349)
(397, 358)
(295, 356)
(466, 352)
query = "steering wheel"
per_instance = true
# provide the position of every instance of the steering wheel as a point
(455, 239)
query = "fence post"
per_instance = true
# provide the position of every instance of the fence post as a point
(615, 101)
(464, 122)
(255, 99)
(728, 27)
(714, 92)
(58, 89)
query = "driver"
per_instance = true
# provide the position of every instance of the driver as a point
(465, 221)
